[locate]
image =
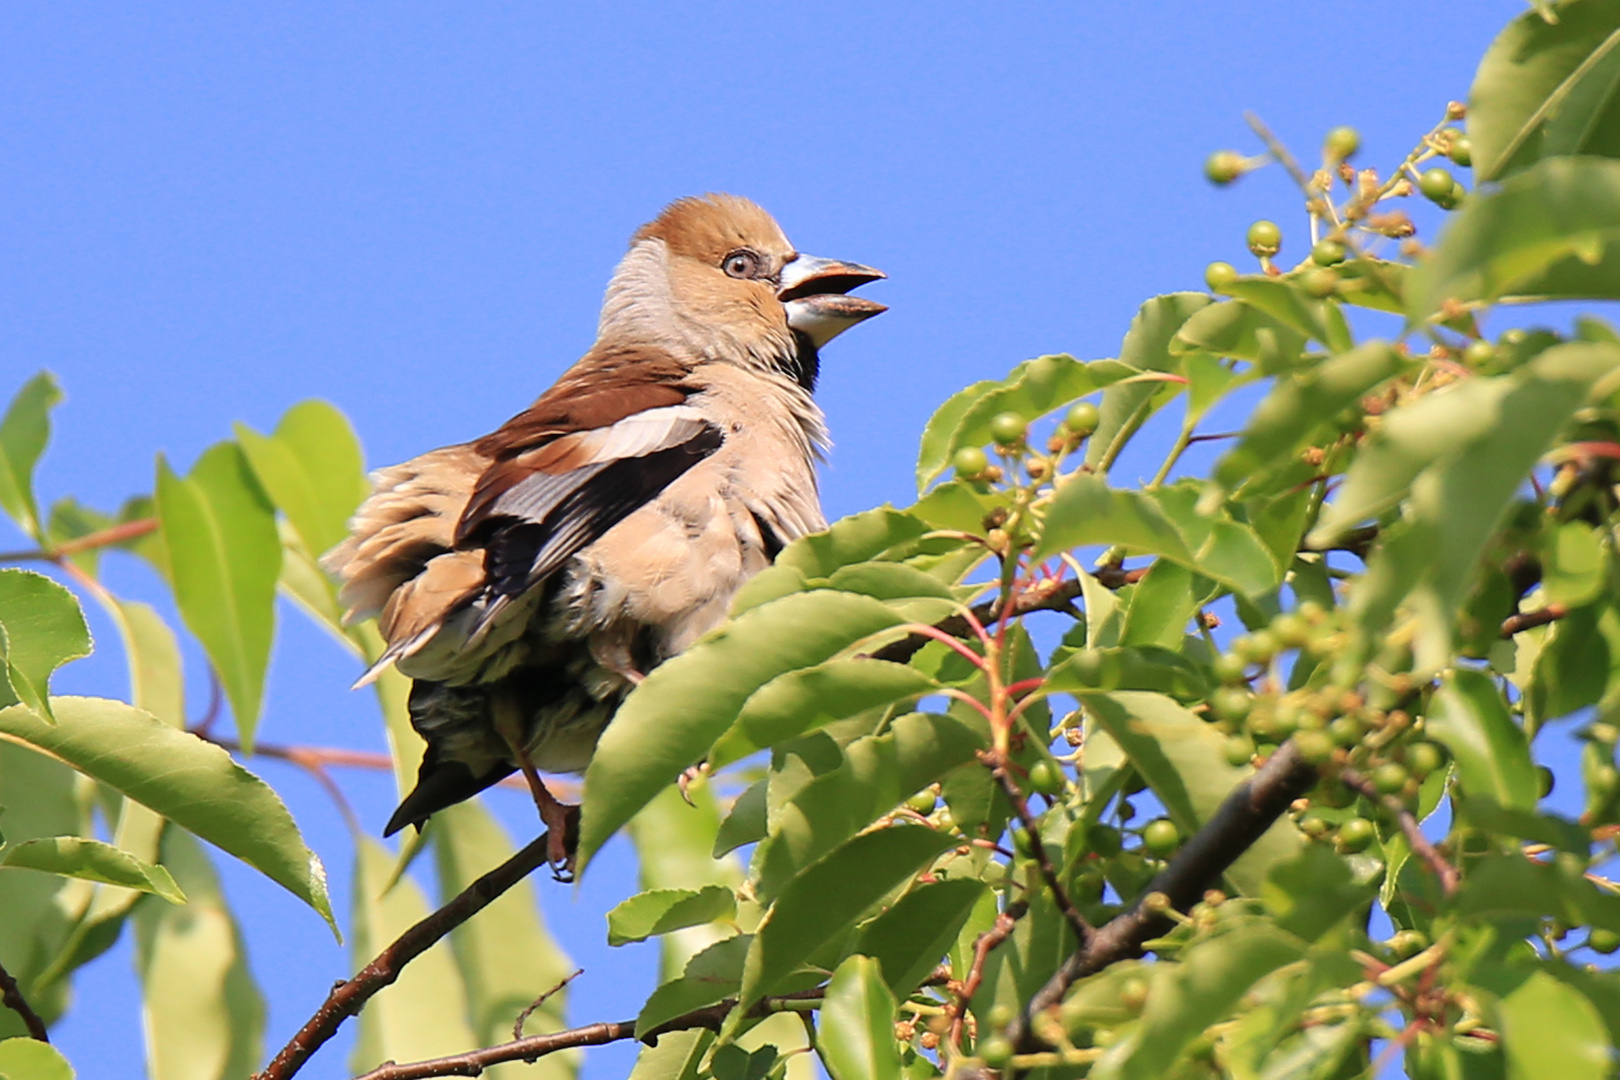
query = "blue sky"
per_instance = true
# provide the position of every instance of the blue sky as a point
(210, 212)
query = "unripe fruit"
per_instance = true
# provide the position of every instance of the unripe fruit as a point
(1103, 840)
(1356, 835)
(1479, 353)
(1547, 781)
(1257, 648)
(923, 802)
(1264, 239)
(1045, 778)
(1161, 838)
(1133, 994)
(995, 1051)
(970, 462)
(1231, 703)
(1007, 429)
(1344, 731)
(1285, 720)
(943, 821)
(1320, 282)
(1327, 253)
(1239, 750)
(1436, 185)
(1313, 826)
(1229, 668)
(1389, 778)
(1342, 142)
(1223, 166)
(1423, 758)
(1290, 630)
(1218, 275)
(1315, 747)
(1082, 419)
(1603, 941)
(1462, 151)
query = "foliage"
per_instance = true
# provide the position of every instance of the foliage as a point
(989, 781)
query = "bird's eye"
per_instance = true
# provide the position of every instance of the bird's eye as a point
(742, 264)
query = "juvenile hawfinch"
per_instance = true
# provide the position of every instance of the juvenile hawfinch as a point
(527, 580)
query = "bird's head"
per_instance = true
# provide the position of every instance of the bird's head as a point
(715, 276)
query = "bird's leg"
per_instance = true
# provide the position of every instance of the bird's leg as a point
(560, 818)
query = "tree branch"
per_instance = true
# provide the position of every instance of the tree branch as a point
(347, 998)
(1421, 847)
(12, 998)
(1077, 922)
(1527, 620)
(1251, 809)
(115, 534)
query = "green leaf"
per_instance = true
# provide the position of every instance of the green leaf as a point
(745, 822)
(829, 896)
(1574, 565)
(1162, 605)
(41, 628)
(659, 911)
(1463, 454)
(1289, 304)
(710, 977)
(674, 838)
(676, 1056)
(193, 783)
(1548, 87)
(876, 773)
(857, 1024)
(1032, 389)
(1183, 760)
(1210, 980)
(1547, 233)
(1470, 718)
(1550, 1031)
(29, 1059)
(24, 431)
(92, 860)
(1511, 886)
(1300, 409)
(910, 939)
(801, 701)
(1147, 347)
(312, 469)
(422, 1014)
(1242, 332)
(224, 559)
(862, 537)
(686, 703)
(1309, 893)
(467, 842)
(203, 1014)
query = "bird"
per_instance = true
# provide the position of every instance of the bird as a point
(526, 581)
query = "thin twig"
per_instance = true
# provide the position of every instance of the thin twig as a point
(115, 534)
(1529, 620)
(534, 1047)
(999, 931)
(12, 998)
(1077, 922)
(1421, 847)
(347, 998)
(1240, 820)
(523, 1017)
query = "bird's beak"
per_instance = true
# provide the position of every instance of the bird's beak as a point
(813, 291)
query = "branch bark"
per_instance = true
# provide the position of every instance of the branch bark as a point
(1421, 847)
(347, 998)
(1251, 809)
(11, 996)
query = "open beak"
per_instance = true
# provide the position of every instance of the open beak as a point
(814, 291)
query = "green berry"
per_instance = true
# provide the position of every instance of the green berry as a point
(1007, 428)
(1603, 941)
(1045, 777)
(1103, 840)
(1389, 778)
(1356, 834)
(1133, 993)
(1342, 142)
(1290, 630)
(1479, 353)
(1218, 275)
(1320, 282)
(1257, 648)
(1264, 239)
(1462, 151)
(1224, 166)
(995, 1051)
(1546, 780)
(1082, 419)
(1239, 750)
(1229, 668)
(1285, 720)
(1436, 184)
(970, 462)
(1161, 838)
(1231, 703)
(923, 802)
(1515, 336)
(1327, 253)
(1345, 731)
(1313, 826)
(1315, 747)
(944, 821)
(1423, 758)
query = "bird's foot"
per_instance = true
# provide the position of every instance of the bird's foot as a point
(691, 776)
(562, 822)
